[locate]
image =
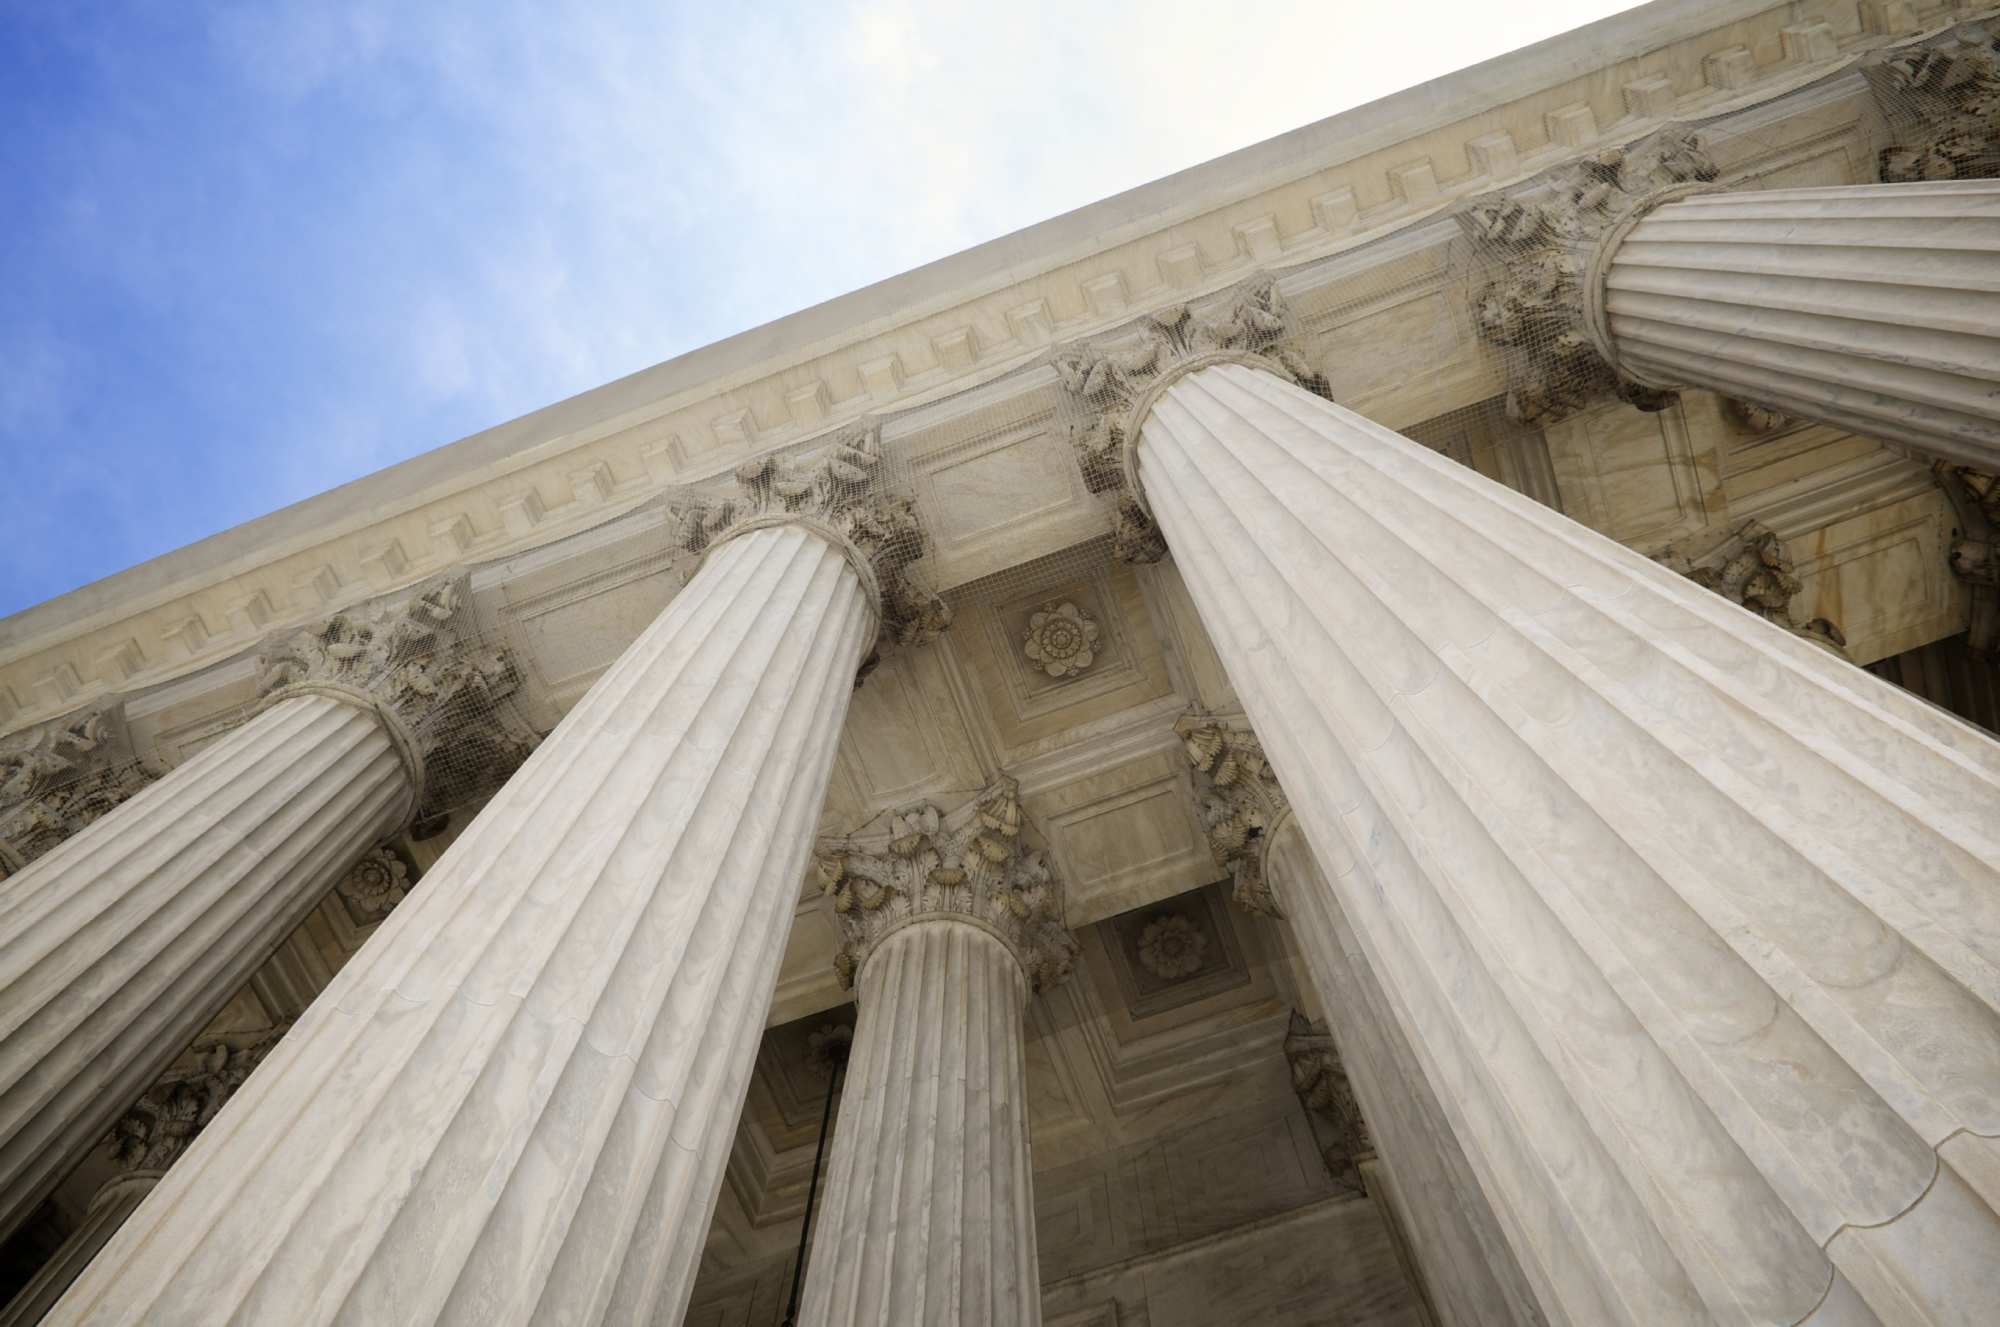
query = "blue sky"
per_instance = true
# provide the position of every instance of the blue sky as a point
(251, 251)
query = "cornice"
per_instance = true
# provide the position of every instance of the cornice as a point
(916, 338)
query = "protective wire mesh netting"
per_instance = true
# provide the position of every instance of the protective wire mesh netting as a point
(1484, 300)
(1928, 109)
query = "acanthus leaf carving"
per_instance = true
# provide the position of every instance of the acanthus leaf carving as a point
(1545, 235)
(429, 672)
(1106, 379)
(61, 776)
(1239, 802)
(839, 485)
(1942, 102)
(1746, 563)
(164, 1122)
(978, 861)
(1320, 1081)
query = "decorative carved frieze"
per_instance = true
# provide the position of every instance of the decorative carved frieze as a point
(162, 1124)
(1108, 380)
(1323, 1089)
(423, 664)
(1747, 564)
(840, 487)
(59, 777)
(1942, 103)
(374, 885)
(1546, 235)
(1975, 549)
(1239, 801)
(976, 862)
(1061, 640)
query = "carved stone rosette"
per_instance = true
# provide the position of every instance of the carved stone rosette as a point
(976, 862)
(1239, 801)
(61, 776)
(1546, 235)
(839, 487)
(1323, 1089)
(1942, 103)
(1747, 564)
(438, 686)
(1975, 548)
(1109, 381)
(374, 885)
(163, 1123)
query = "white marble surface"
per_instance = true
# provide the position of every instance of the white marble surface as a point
(1459, 1247)
(119, 945)
(929, 1213)
(514, 1104)
(1871, 307)
(1692, 926)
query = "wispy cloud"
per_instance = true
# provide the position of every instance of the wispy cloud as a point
(269, 246)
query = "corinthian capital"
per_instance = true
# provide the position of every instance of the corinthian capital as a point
(421, 663)
(57, 778)
(1746, 563)
(1942, 102)
(1548, 235)
(163, 1123)
(840, 488)
(1320, 1081)
(1111, 381)
(977, 862)
(1239, 801)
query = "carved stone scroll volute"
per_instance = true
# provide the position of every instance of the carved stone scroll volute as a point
(1107, 382)
(1239, 801)
(978, 862)
(1545, 235)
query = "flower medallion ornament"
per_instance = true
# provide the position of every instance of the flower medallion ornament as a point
(1172, 947)
(1061, 640)
(378, 882)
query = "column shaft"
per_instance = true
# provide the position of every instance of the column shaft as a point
(118, 946)
(1692, 925)
(1464, 1255)
(1875, 308)
(929, 1215)
(115, 1202)
(514, 1104)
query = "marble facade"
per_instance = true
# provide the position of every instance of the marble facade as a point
(1363, 734)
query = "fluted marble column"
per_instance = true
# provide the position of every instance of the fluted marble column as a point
(1463, 1252)
(1872, 307)
(108, 1210)
(120, 944)
(929, 1214)
(514, 1104)
(1692, 927)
